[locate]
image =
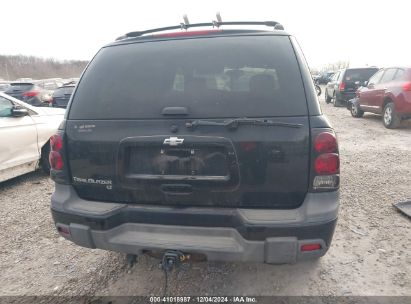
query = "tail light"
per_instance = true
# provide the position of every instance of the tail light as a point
(30, 93)
(56, 143)
(406, 87)
(327, 163)
(325, 166)
(341, 86)
(56, 159)
(325, 142)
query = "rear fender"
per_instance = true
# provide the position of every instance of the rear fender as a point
(387, 99)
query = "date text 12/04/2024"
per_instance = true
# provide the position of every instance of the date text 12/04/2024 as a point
(204, 299)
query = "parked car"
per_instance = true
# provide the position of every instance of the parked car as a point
(30, 92)
(4, 86)
(24, 136)
(345, 82)
(226, 155)
(36, 92)
(61, 96)
(324, 78)
(49, 86)
(387, 93)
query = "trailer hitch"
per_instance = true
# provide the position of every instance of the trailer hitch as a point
(172, 259)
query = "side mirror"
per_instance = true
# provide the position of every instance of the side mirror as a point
(19, 112)
(365, 83)
(370, 85)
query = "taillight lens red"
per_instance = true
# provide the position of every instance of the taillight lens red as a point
(342, 86)
(56, 143)
(325, 142)
(55, 158)
(56, 161)
(327, 163)
(30, 93)
(406, 86)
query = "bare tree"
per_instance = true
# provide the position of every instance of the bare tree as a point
(333, 67)
(18, 66)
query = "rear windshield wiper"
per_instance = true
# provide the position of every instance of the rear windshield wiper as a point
(234, 123)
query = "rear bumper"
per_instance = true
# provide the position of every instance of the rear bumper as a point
(345, 96)
(271, 236)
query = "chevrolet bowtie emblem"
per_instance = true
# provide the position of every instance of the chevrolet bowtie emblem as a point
(173, 141)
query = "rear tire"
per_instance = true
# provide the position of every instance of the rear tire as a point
(390, 119)
(335, 100)
(356, 110)
(44, 160)
(327, 98)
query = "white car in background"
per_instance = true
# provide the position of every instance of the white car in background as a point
(24, 136)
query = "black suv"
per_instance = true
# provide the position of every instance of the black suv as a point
(344, 84)
(61, 96)
(203, 141)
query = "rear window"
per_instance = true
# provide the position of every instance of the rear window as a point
(63, 90)
(252, 76)
(361, 75)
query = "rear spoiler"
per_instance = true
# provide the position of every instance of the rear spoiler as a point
(186, 25)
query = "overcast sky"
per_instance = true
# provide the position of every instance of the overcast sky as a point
(365, 32)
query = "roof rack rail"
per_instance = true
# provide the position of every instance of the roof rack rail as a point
(186, 25)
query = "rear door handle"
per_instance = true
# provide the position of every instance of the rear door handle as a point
(177, 189)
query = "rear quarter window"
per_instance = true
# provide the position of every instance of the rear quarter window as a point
(399, 74)
(247, 76)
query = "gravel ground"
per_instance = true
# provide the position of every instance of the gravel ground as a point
(370, 254)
